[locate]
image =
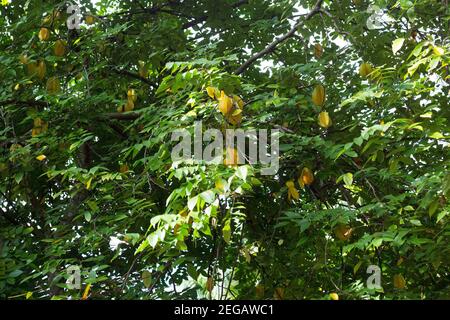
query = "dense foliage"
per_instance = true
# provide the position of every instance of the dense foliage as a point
(87, 177)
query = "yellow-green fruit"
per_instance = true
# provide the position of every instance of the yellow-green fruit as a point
(211, 92)
(32, 68)
(259, 291)
(231, 158)
(324, 120)
(23, 59)
(399, 281)
(41, 69)
(225, 103)
(44, 34)
(318, 50)
(334, 296)
(90, 20)
(365, 69)
(60, 48)
(53, 86)
(236, 117)
(129, 105)
(143, 71)
(318, 95)
(343, 232)
(240, 103)
(278, 294)
(306, 178)
(132, 95)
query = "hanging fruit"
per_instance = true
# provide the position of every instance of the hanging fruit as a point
(132, 95)
(231, 158)
(235, 118)
(53, 85)
(334, 296)
(259, 290)
(225, 103)
(89, 20)
(59, 48)
(365, 69)
(143, 71)
(318, 95)
(44, 34)
(127, 107)
(23, 58)
(399, 281)
(32, 69)
(343, 232)
(278, 294)
(41, 69)
(123, 168)
(211, 92)
(292, 191)
(39, 126)
(239, 102)
(324, 120)
(318, 50)
(306, 177)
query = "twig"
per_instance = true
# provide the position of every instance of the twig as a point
(271, 47)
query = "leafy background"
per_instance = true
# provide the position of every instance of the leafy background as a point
(83, 183)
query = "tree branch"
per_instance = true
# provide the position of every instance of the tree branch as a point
(197, 20)
(135, 76)
(277, 41)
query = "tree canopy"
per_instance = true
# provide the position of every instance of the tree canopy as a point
(92, 92)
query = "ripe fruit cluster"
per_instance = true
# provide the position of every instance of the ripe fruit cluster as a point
(129, 105)
(230, 107)
(318, 98)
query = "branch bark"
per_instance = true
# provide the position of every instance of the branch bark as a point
(271, 47)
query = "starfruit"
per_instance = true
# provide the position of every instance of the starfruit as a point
(318, 95)
(225, 103)
(211, 92)
(60, 48)
(132, 95)
(41, 69)
(44, 34)
(292, 191)
(365, 69)
(318, 50)
(324, 120)
(53, 85)
(343, 232)
(306, 177)
(89, 20)
(231, 158)
(239, 102)
(399, 281)
(334, 296)
(235, 118)
(143, 71)
(23, 58)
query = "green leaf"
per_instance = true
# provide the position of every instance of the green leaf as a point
(397, 45)
(226, 231)
(87, 216)
(147, 278)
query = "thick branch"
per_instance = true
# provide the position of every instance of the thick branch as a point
(135, 76)
(277, 41)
